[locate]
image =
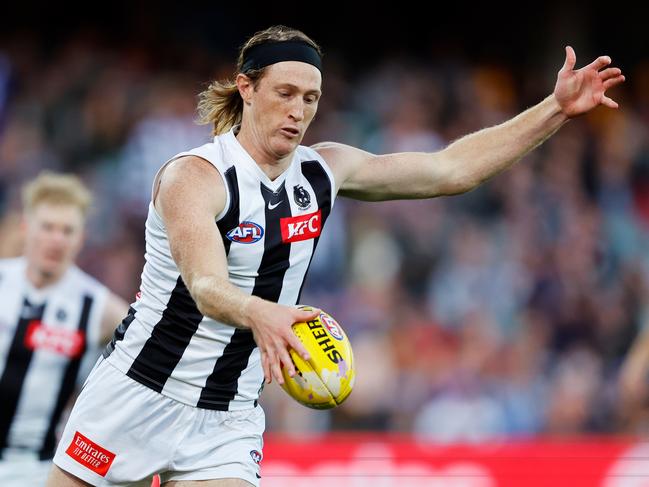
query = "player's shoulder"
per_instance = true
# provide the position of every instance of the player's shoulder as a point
(335, 151)
(328, 147)
(190, 168)
(343, 159)
(12, 264)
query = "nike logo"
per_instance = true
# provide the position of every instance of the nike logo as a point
(272, 207)
(258, 476)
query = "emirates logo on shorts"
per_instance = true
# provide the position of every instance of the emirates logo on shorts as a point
(90, 454)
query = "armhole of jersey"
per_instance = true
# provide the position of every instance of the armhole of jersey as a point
(330, 175)
(156, 178)
(156, 182)
(228, 199)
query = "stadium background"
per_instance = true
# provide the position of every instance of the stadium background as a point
(500, 314)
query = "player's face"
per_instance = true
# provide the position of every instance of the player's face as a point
(54, 236)
(283, 105)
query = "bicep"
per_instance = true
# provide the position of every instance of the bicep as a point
(190, 195)
(406, 175)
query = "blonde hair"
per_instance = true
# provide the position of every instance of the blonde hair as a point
(56, 189)
(220, 104)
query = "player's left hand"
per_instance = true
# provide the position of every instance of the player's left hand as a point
(581, 90)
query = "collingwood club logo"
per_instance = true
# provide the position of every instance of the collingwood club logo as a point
(301, 196)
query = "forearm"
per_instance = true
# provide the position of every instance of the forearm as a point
(638, 356)
(219, 299)
(483, 154)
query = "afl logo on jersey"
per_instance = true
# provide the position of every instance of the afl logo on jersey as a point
(246, 233)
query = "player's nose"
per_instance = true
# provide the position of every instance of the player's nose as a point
(297, 110)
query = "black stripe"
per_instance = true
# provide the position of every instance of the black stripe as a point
(231, 218)
(275, 261)
(319, 181)
(67, 386)
(120, 331)
(16, 367)
(221, 385)
(168, 341)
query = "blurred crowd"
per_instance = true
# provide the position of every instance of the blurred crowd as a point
(504, 312)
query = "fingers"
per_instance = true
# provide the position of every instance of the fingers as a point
(608, 102)
(272, 365)
(611, 82)
(571, 59)
(306, 314)
(286, 359)
(609, 73)
(266, 367)
(297, 345)
(599, 63)
(276, 369)
(302, 316)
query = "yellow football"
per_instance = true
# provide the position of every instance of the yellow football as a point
(327, 378)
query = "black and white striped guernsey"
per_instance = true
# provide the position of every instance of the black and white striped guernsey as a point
(49, 339)
(270, 230)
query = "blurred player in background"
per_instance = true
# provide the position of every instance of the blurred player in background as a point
(53, 320)
(230, 233)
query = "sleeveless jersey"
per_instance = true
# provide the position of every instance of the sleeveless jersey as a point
(48, 337)
(270, 230)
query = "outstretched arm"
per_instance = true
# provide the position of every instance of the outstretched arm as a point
(473, 159)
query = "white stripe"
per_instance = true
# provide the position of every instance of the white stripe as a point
(206, 345)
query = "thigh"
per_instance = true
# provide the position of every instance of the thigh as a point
(61, 478)
(208, 483)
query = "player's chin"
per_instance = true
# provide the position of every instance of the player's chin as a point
(283, 147)
(53, 265)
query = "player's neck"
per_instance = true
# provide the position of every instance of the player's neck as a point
(40, 279)
(268, 162)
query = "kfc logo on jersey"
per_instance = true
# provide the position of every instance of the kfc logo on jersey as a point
(246, 233)
(64, 342)
(90, 454)
(303, 227)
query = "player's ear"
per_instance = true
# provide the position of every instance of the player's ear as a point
(245, 86)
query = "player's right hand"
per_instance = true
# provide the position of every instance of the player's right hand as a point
(271, 325)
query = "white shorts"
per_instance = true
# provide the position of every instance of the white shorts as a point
(18, 469)
(121, 433)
